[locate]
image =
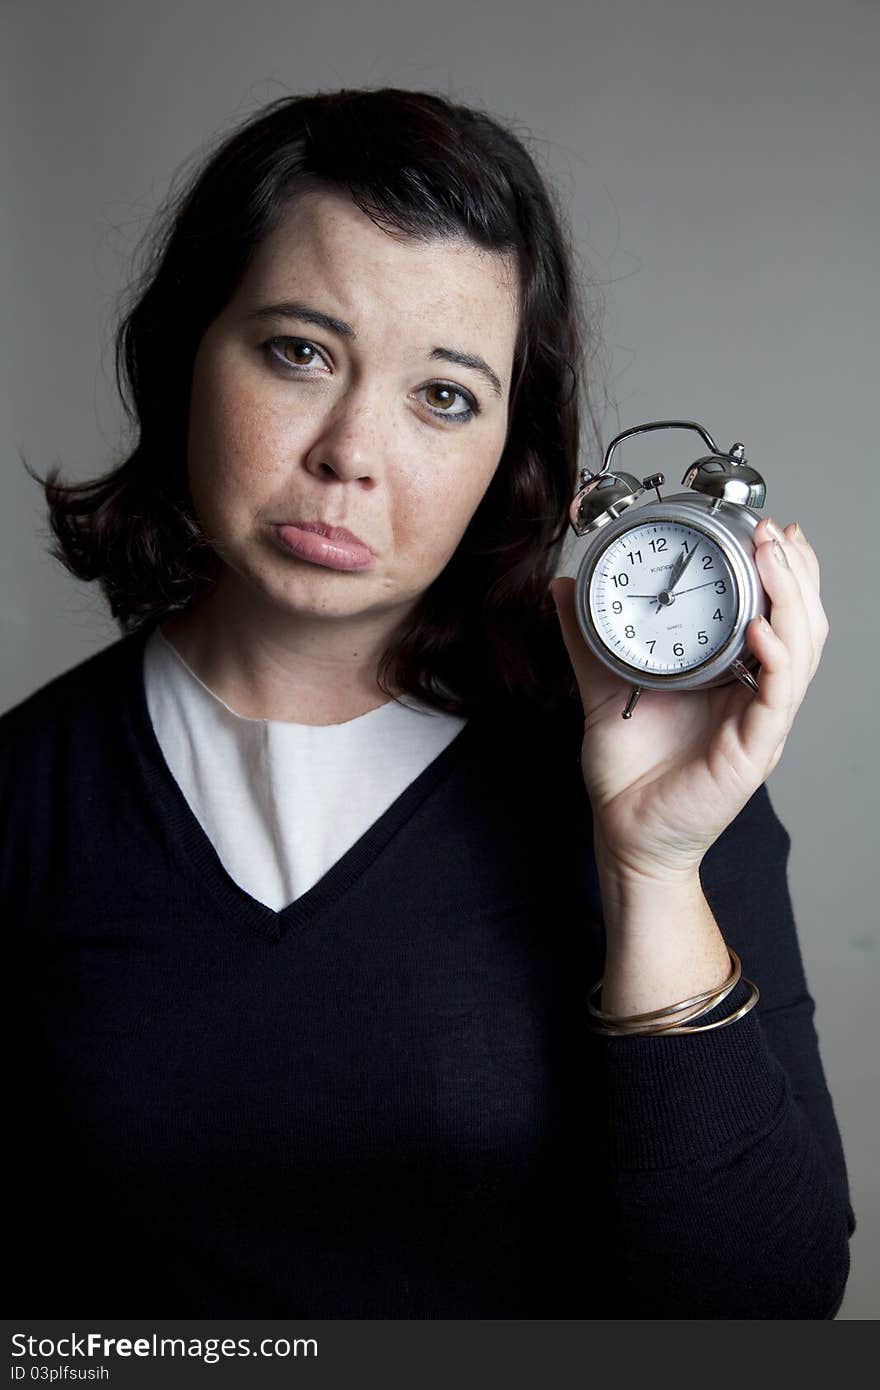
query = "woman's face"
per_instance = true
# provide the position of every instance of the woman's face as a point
(376, 400)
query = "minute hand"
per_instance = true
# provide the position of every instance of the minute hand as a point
(692, 590)
(697, 586)
(653, 597)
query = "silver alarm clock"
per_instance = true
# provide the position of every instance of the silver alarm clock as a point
(665, 590)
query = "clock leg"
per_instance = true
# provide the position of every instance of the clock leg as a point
(631, 702)
(744, 675)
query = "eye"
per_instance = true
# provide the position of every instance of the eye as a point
(444, 400)
(441, 397)
(294, 354)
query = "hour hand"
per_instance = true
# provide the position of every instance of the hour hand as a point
(680, 566)
(681, 563)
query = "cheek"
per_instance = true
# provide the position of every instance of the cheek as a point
(436, 507)
(235, 452)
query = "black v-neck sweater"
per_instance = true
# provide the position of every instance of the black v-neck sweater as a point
(384, 1100)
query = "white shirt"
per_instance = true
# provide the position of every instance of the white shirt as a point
(282, 802)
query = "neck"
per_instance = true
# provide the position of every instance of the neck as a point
(278, 665)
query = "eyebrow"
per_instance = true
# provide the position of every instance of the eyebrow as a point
(296, 309)
(467, 359)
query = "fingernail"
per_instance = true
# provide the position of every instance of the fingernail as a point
(796, 533)
(774, 531)
(779, 554)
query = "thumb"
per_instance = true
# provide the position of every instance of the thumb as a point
(595, 682)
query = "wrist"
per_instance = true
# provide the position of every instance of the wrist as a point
(633, 866)
(662, 943)
(634, 901)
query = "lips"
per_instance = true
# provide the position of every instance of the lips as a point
(330, 533)
(319, 543)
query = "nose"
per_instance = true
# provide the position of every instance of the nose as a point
(349, 442)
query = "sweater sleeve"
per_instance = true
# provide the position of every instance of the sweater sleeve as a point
(724, 1155)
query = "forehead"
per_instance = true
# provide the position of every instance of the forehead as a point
(327, 251)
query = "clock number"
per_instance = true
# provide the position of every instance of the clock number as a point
(720, 586)
(617, 606)
(717, 615)
(621, 580)
(631, 554)
(708, 562)
(686, 547)
(702, 638)
(678, 649)
(629, 631)
(652, 644)
(658, 545)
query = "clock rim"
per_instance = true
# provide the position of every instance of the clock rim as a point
(692, 511)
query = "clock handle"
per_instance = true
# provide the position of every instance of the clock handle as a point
(660, 425)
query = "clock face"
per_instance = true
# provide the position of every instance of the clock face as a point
(655, 615)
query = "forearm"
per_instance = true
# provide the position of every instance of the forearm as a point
(706, 1132)
(663, 944)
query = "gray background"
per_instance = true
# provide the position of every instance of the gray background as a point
(720, 165)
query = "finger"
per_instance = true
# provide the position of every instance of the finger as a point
(789, 617)
(799, 553)
(805, 566)
(766, 718)
(804, 562)
(796, 538)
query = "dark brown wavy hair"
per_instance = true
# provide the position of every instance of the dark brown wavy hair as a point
(419, 165)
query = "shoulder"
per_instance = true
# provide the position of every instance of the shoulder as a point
(62, 751)
(59, 750)
(87, 691)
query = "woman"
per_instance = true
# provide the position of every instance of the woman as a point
(312, 870)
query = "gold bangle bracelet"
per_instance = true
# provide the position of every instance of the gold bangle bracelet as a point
(683, 1027)
(667, 1022)
(716, 994)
